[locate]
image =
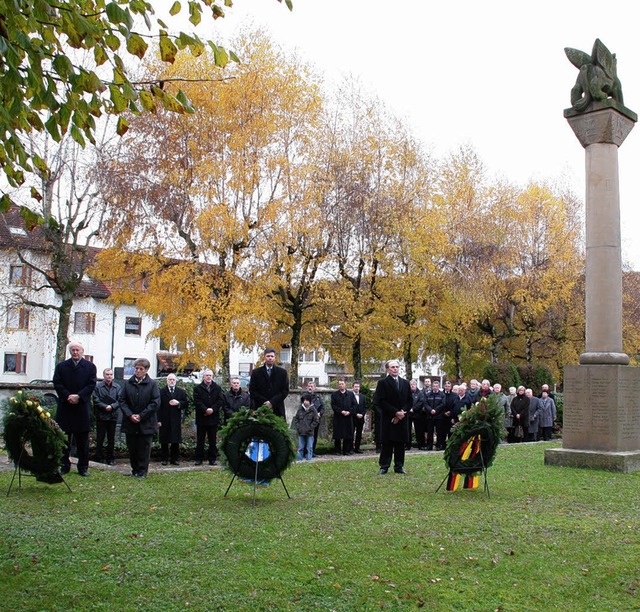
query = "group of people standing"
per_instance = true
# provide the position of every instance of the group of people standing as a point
(400, 407)
(146, 411)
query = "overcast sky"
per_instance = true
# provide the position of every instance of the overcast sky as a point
(491, 74)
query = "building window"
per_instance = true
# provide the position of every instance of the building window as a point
(18, 318)
(15, 362)
(84, 323)
(19, 275)
(129, 368)
(308, 357)
(285, 356)
(133, 326)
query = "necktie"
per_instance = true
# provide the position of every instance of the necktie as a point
(269, 372)
(171, 390)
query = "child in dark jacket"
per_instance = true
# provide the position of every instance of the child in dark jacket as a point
(304, 422)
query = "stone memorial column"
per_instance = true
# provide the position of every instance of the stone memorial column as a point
(601, 420)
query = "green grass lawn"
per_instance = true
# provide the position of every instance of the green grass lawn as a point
(348, 539)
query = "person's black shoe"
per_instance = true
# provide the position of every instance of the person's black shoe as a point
(400, 471)
(175, 462)
(383, 471)
(199, 462)
(164, 463)
(358, 452)
(212, 461)
(65, 469)
(111, 462)
(84, 473)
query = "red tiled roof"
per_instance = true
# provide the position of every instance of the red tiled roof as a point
(35, 241)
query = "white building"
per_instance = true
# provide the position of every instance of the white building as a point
(113, 337)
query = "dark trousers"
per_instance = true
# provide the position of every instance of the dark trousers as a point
(420, 425)
(343, 445)
(441, 433)
(430, 427)
(139, 446)
(395, 450)
(206, 432)
(81, 442)
(105, 429)
(316, 431)
(169, 452)
(377, 431)
(358, 426)
(547, 432)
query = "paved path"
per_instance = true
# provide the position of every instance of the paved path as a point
(123, 466)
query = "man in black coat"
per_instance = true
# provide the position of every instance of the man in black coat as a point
(106, 406)
(139, 402)
(359, 416)
(393, 396)
(173, 401)
(208, 401)
(74, 381)
(343, 404)
(434, 407)
(235, 398)
(269, 384)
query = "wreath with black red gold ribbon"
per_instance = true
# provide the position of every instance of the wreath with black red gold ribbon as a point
(34, 441)
(475, 438)
(247, 426)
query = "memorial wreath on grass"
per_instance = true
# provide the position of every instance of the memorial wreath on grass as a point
(473, 442)
(34, 441)
(261, 425)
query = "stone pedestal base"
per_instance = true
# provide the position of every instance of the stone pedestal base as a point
(597, 460)
(601, 420)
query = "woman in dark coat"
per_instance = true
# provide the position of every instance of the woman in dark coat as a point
(520, 415)
(139, 402)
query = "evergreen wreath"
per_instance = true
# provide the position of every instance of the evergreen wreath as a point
(261, 424)
(484, 418)
(27, 423)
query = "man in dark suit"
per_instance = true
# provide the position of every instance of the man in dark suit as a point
(359, 416)
(107, 407)
(269, 384)
(173, 401)
(393, 396)
(208, 401)
(74, 381)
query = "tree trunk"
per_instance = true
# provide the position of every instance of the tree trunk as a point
(62, 336)
(407, 354)
(296, 334)
(226, 367)
(458, 359)
(356, 357)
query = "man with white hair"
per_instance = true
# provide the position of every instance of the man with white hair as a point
(74, 380)
(394, 399)
(173, 403)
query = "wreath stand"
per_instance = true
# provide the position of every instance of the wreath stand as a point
(255, 455)
(469, 482)
(18, 471)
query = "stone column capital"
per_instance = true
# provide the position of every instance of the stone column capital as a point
(605, 126)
